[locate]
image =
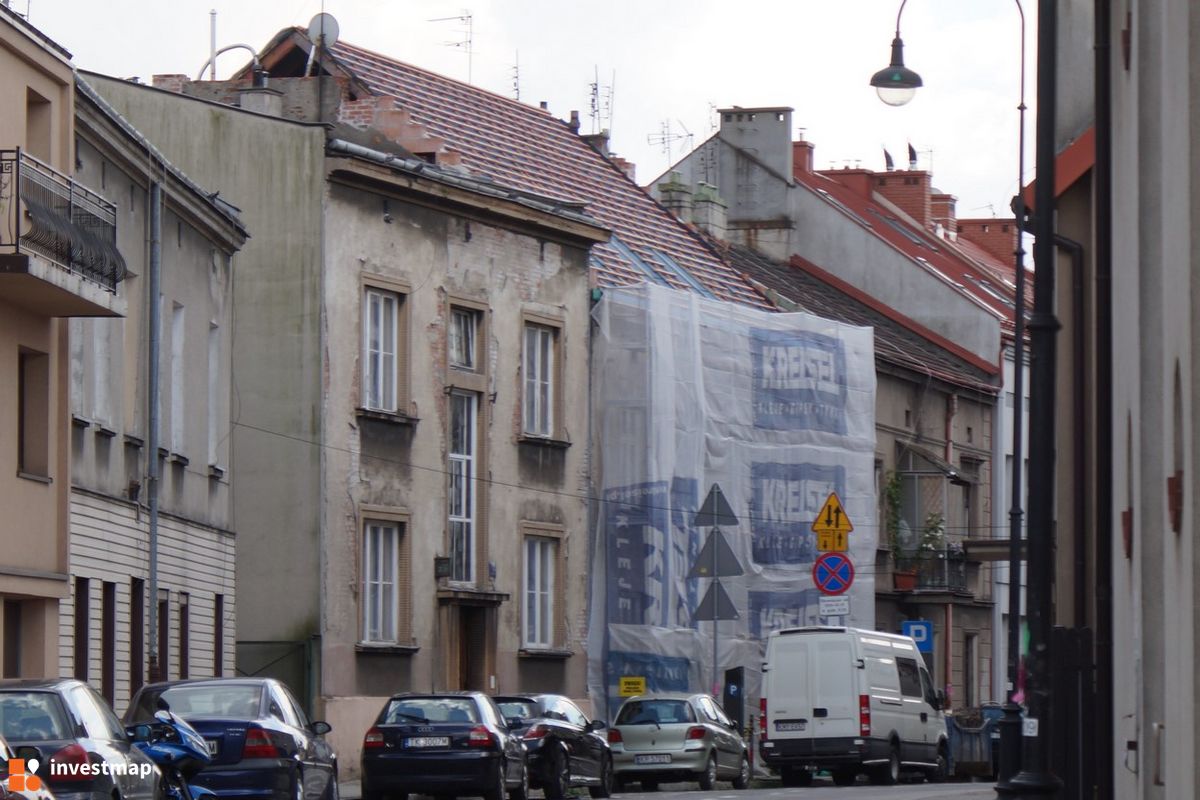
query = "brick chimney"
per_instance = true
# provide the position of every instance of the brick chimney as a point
(942, 207)
(802, 157)
(765, 133)
(171, 83)
(860, 181)
(628, 167)
(910, 191)
(598, 141)
(997, 236)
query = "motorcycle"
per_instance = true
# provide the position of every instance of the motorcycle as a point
(178, 750)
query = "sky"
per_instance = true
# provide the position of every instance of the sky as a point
(662, 67)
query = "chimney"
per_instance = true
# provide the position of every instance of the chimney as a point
(598, 141)
(574, 123)
(765, 133)
(910, 191)
(942, 209)
(261, 98)
(544, 106)
(628, 167)
(171, 83)
(676, 196)
(997, 236)
(802, 157)
(709, 211)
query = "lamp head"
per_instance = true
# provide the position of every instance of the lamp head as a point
(896, 84)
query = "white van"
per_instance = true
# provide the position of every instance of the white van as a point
(849, 701)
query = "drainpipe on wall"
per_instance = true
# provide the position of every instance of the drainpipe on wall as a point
(152, 414)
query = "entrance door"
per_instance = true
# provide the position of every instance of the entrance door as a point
(472, 648)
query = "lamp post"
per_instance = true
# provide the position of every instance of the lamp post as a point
(896, 85)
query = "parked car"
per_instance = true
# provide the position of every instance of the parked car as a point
(23, 788)
(565, 748)
(443, 744)
(676, 737)
(263, 744)
(81, 746)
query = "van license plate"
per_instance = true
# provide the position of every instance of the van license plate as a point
(791, 726)
(427, 741)
(665, 758)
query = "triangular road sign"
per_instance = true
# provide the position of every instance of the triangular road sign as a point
(715, 510)
(720, 608)
(727, 562)
(832, 517)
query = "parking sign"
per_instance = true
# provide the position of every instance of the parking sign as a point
(921, 631)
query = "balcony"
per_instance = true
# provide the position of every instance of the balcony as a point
(58, 242)
(938, 571)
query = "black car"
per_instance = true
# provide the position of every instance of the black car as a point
(565, 747)
(443, 744)
(263, 745)
(81, 746)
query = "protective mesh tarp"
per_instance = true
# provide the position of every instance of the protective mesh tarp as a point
(779, 411)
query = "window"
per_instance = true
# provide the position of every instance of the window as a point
(137, 633)
(164, 636)
(539, 367)
(461, 339)
(381, 345)
(218, 635)
(82, 633)
(215, 385)
(461, 495)
(185, 618)
(541, 561)
(910, 678)
(108, 641)
(33, 413)
(178, 328)
(381, 569)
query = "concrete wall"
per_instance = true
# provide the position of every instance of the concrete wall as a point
(276, 343)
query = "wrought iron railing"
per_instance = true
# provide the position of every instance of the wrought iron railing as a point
(45, 212)
(944, 570)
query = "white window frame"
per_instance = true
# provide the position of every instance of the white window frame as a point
(381, 580)
(539, 343)
(461, 488)
(538, 614)
(462, 339)
(380, 379)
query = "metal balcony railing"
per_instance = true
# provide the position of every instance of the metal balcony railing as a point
(941, 570)
(47, 213)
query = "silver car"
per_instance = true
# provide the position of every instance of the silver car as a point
(676, 737)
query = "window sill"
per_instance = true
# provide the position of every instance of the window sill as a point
(548, 653)
(30, 476)
(543, 441)
(370, 648)
(80, 422)
(180, 459)
(216, 471)
(390, 417)
(134, 441)
(104, 431)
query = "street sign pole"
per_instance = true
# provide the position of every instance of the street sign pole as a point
(714, 560)
(716, 617)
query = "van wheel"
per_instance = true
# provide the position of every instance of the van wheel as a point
(708, 778)
(889, 773)
(844, 777)
(939, 772)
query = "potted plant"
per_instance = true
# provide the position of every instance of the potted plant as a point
(904, 575)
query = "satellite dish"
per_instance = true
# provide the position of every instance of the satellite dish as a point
(324, 25)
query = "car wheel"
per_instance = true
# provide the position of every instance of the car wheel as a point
(844, 777)
(499, 784)
(649, 786)
(558, 777)
(332, 791)
(604, 788)
(522, 791)
(939, 772)
(298, 787)
(708, 778)
(742, 781)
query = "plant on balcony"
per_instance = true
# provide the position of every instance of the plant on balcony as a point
(933, 535)
(904, 572)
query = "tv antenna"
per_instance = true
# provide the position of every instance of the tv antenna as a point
(601, 102)
(667, 137)
(516, 72)
(465, 43)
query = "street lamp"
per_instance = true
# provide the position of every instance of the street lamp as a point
(896, 85)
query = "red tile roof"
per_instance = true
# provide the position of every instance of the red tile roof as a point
(527, 148)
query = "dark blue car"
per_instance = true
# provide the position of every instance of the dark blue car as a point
(566, 749)
(262, 743)
(443, 744)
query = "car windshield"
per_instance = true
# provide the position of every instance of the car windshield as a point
(649, 712)
(430, 709)
(234, 700)
(519, 709)
(33, 717)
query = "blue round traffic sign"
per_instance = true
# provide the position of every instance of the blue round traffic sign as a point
(833, 573)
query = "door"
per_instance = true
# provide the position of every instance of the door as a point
(788, 678)
(914, 736)
(835, 701)
(473, 651)
(729, 739)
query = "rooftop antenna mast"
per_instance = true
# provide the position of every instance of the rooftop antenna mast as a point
(601, 103)
(517, 75)
(468, 37)
(666, 137)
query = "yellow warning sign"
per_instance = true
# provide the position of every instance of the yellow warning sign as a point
(832, 526)
(631, 685)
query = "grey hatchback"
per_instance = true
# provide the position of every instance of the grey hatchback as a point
(676, 737)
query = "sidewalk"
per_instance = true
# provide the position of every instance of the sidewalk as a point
(350, 790)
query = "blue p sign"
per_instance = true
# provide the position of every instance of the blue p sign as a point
(921, 631)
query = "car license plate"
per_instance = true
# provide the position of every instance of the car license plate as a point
(665, 758)
(427, 741)
(213, 746)
(791, 726)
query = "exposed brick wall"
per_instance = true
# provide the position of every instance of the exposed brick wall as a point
(802, 157)
(859, 181)
(908, 190)
(383, 115)
(171, 83)
(942, 207)
(997, 236)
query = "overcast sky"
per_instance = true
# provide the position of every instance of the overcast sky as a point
(663, 65)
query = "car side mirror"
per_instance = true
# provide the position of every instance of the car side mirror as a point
(321, 728)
